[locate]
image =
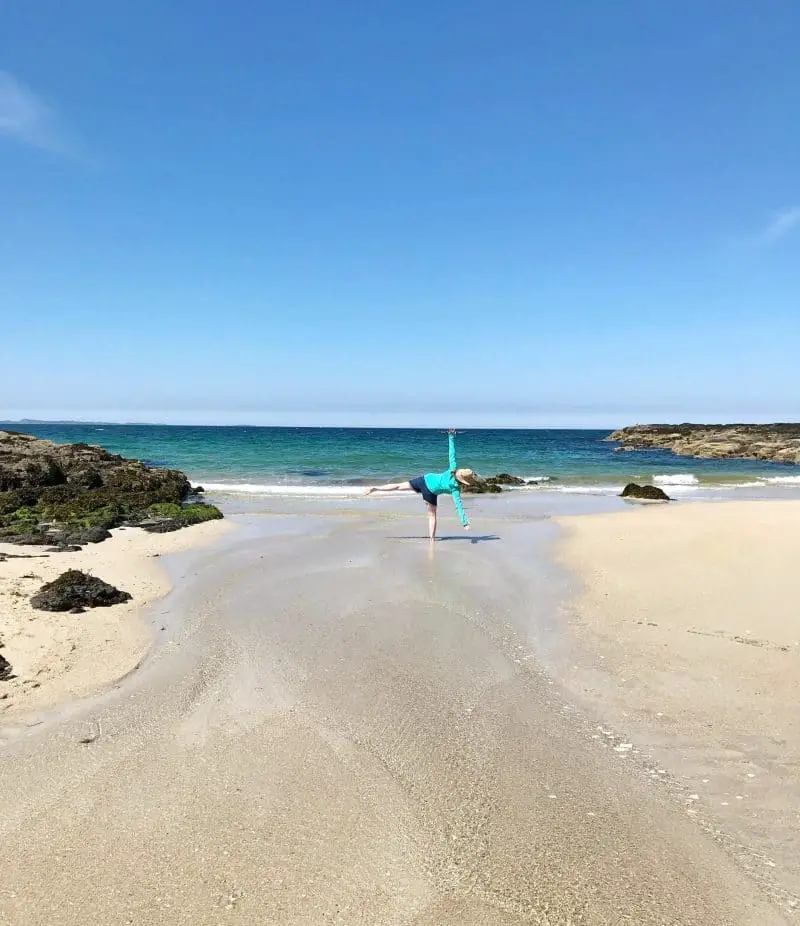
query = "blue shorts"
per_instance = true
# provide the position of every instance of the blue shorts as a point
(420, 486)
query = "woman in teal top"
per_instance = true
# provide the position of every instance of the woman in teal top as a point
(432, 485)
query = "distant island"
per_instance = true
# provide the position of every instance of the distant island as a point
(777, 443)
(73, 421)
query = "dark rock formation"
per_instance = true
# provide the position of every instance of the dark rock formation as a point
(779, 443)
(492, 484)
(506, 479)
(166, 518)
(63, 495)
(76, 589)
(647, 493)
(6, 672)
(481, 487)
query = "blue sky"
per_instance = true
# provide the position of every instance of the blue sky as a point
(525, 213)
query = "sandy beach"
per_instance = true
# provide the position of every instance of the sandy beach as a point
(688, 643)
(57, 656)
(346, 726)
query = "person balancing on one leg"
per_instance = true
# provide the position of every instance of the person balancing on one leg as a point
(432, 485)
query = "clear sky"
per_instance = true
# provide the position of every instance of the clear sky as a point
(341, 211)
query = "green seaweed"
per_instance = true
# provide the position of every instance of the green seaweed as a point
(197, 512)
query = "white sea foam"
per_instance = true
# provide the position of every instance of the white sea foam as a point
(250, 488)
(587, 489)
(677, 485)
(676, 479)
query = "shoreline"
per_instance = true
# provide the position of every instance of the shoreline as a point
(686, 641)
(58, 657)
(682, 486)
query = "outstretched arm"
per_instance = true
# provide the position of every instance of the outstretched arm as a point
(451, 442)
(460, 508)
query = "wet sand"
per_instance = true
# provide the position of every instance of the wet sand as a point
(347, 727)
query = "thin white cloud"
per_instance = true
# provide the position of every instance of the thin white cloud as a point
(24, 118)
(782, 223)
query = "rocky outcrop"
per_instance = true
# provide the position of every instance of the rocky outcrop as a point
(644, 493)
(74, 590)
(166, 518)
(505, 479)
(779, 443)
(72, 494)
(494, 484)
(6, 672)
(481, 487)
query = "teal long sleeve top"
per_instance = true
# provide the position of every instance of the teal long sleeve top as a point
(446, 483)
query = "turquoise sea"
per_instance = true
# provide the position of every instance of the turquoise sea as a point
(320, 461)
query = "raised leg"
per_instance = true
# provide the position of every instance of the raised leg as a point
(389, 487)
(432, 511)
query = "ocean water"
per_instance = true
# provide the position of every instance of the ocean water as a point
(337, 461)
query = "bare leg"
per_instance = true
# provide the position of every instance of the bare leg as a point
(432, 510)
(389, 487)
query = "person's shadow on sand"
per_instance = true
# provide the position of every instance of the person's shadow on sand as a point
(479, 538)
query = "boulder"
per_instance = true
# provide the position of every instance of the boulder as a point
(6, 672)
(166, 518)
(88, 478)
(27, 471)
(506, 479)
(164, 526)
(76, 589)
(646, 493)
(482, 487)
(90, 535)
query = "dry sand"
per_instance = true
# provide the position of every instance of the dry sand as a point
(688, 631)
(349, 728)
(60, 655)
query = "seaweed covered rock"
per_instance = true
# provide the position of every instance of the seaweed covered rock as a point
(76, 589)
(644, 493)
(493, 484)
(166, 518)
(62, 495)
(506, 479)
(482, 487)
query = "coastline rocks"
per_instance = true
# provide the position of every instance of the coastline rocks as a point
(494, 484)
(167, 517)
(75, 589)
(73, 494)
(482, 487)
(644, 493)
(778, 443)
(506, 479)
